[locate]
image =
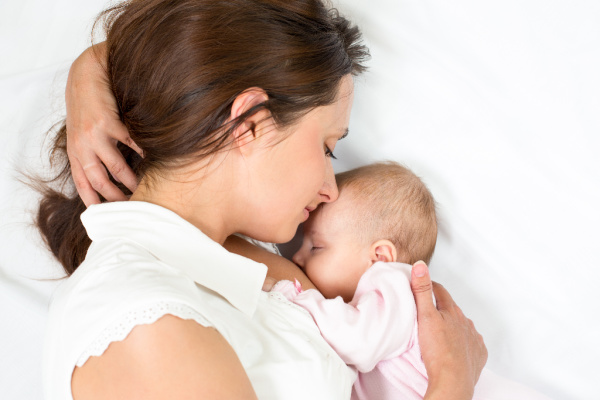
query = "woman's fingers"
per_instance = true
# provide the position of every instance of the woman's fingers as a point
(91, 178)
(120, 133)
(95, 156)
(83, 186)
(430, 296)
(98, 178)
(115, 163)
(421, 286)
(93, 130)
(451, 348)
(444, 301)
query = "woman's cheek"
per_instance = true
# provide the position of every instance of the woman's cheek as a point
(319, 174)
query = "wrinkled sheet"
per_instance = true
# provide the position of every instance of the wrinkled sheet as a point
(494, 104)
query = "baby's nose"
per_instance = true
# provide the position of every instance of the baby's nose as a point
(298, 259)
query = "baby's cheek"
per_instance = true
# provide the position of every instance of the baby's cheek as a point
(309, 270)
(313, 270)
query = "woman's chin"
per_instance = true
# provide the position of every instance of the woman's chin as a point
(284, 237)
(280, 236)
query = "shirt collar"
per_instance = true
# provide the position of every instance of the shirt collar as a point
(179, 244)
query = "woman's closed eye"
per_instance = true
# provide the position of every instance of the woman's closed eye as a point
(329, 153)
(315, 248)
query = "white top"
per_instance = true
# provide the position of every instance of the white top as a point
(146, 261)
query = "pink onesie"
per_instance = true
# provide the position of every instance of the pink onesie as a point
(376, 333)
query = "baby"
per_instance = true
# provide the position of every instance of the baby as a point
(358, 252)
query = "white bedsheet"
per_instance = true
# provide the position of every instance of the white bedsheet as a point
(495, 104)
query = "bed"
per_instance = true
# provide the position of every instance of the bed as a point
(494, 104)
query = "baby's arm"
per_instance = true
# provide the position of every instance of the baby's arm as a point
(379, 322)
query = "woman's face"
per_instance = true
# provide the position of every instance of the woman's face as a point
(291, 178)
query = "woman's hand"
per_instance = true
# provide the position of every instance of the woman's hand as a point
(452, 350)
(93, 130)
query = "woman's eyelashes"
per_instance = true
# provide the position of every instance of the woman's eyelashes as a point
(329, 153)
(314, 248)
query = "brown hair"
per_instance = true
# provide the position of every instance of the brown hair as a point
(391, 202)
(175, 68)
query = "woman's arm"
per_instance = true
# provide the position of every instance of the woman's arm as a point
(93, 130)
(452, 350)
(169, 359)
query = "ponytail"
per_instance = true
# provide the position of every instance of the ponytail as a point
(59, 212)
(60, 225)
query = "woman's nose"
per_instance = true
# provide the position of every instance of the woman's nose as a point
(329, 191)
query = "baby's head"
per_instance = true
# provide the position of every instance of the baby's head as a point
(384, 213)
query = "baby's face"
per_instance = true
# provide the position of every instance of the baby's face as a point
(331, 254)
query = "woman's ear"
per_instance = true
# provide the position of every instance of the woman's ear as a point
(383, 250)
(246, 132)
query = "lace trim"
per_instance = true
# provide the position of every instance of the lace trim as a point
(148, 315)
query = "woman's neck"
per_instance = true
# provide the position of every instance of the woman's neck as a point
(186, 199)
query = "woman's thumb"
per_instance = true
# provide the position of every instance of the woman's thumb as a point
(420, 284)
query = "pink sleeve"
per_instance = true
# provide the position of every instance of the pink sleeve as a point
(376, 325)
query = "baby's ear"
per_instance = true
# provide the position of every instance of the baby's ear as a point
(383, 250)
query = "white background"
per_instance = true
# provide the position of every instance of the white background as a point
(494, 104)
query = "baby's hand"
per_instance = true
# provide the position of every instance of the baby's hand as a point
(287, 288)
(268, 285)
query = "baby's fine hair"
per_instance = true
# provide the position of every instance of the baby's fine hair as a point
(391, 202)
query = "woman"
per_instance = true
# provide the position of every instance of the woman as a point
(236, 107)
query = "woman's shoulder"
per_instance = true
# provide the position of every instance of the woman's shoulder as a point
(120, 286)
(119, 278)
(149, 351)
(120, 271)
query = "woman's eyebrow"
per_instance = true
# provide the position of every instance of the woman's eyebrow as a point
(344, 134)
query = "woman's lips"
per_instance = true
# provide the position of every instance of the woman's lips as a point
(307, 212)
